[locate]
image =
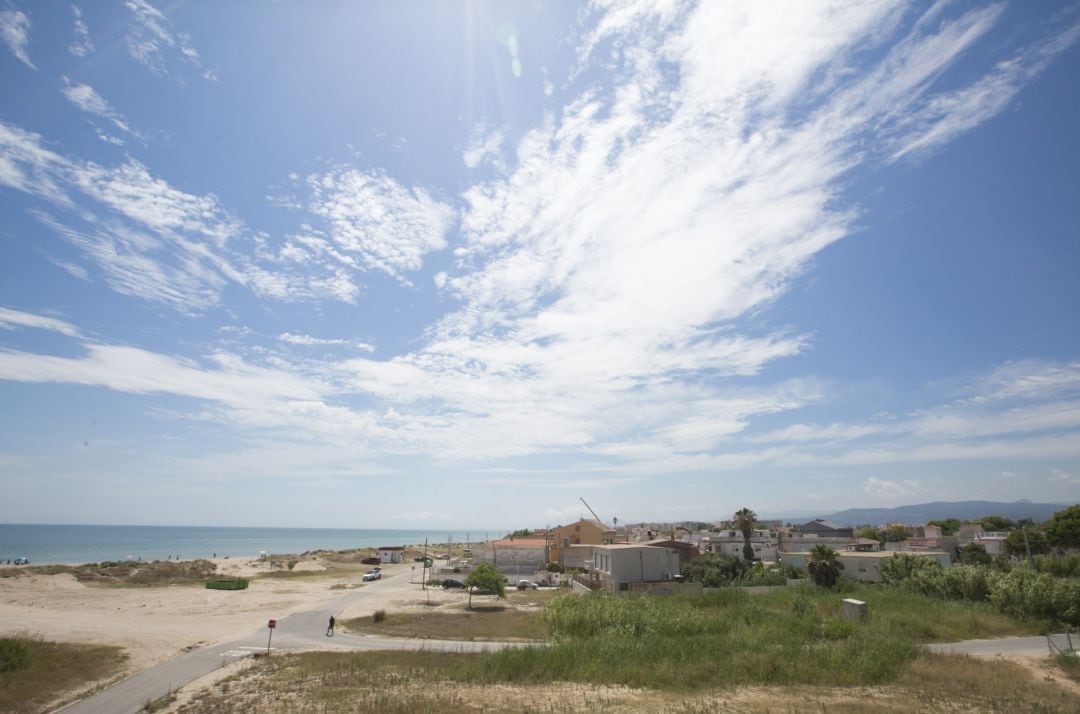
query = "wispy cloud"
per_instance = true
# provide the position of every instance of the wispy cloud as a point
(309, 341)
(15, 31)
(88, 100)
(153, 42)
(10, 319)
(485, 145)
(82, 45)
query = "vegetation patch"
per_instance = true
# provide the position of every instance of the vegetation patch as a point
(405, 682)
(132, 572)
(36, 674)
(230, 584)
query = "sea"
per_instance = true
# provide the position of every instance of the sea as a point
(77, 544)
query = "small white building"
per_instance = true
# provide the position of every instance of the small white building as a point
(617, 566)
(391, 554)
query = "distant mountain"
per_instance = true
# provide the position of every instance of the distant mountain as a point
(964, 510)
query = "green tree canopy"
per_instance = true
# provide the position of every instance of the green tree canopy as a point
(521, 533)
(948, 526)
(824, 565)
(1014, 543)
(1063, 528)
(485, 578)
(902, 566)
(974, 554)
(868, 532)
(714, 570)
(897, 533)
(996, 523)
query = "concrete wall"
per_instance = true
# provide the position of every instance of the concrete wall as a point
(865, 567)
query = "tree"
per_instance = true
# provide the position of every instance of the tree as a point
(824, 565)
(744, 521)
(896, 533)
(869, 532)
(1063, 528)
(521, 533)
(974, 554)
(1014, 543)
(996, 523)
(948, 526)
(485, 578)
(902, 566)
(714, 570)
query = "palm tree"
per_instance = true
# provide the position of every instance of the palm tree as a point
(824, 565)
(744, 521)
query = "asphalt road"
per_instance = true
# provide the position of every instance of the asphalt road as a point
(296, 631)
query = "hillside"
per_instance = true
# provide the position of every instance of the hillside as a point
(964, 510)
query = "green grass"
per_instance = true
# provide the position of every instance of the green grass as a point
(51, 670)
(479, 624)
(1069, 664)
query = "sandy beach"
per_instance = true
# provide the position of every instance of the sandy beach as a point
(154, 624)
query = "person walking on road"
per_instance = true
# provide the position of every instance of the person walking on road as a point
(330, 629)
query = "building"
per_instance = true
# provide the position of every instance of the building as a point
(687, 551)
(513, 556)
(587, 531)
(391, 554)
(618, 566)
(865, 566)
(826, 529)
(730, 542)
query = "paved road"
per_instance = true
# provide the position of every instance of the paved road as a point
(298, 630)
(1009, 646)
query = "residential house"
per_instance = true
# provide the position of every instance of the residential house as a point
(826, 529)
(618, 566)
(687, 551)
(587, 531)
(513, 556)
(730, 542)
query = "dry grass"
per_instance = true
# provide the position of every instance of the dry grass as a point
(54, 673)
(129, 572)
(414, 682)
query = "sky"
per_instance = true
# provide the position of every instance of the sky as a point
(462, 264)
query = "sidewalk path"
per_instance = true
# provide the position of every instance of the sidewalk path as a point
(297, 631)
(1006, 647)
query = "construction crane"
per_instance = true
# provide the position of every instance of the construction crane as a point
(590, 509)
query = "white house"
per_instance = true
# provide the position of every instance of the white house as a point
(618, 565)
(730, 542)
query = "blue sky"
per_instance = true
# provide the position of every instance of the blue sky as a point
(459, 264)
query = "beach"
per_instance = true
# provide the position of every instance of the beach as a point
(154, 624)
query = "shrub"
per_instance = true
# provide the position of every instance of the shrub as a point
(378, 616)
(902, 566)
(14, 654)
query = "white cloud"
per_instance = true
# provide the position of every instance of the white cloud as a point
(308, 340)
(151, 37)
(948, 115)
(10, 319)
(485, 144)
(15, 31)
(85, 98)
(377, 221)
(894, 491)
(72, 269)
(1064, 477)
(82, 44)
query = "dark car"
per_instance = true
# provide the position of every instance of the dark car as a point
(451, 583)
(370, 561)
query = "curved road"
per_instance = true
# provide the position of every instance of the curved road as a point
(297, 631)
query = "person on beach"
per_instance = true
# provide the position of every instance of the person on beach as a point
(330, 629)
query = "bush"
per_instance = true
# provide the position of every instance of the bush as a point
(14, 654)
(902, 566)
(378, 616)
(555, 568)
(1062, 566)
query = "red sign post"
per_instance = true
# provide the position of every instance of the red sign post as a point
(270, 626)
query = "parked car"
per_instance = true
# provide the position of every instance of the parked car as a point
(22, 560)
(370, 561)
(526, 585)
(372, 575)
(451, 583)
